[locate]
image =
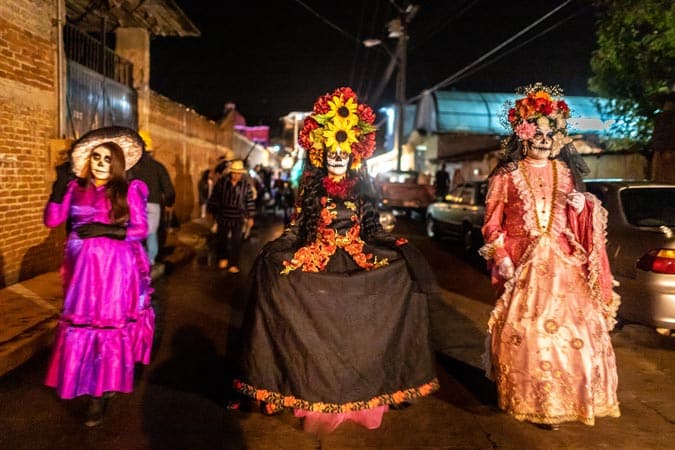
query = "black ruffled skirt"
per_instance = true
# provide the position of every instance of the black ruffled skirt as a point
(337, 341)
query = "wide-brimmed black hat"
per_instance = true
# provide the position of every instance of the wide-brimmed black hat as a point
(129, 141)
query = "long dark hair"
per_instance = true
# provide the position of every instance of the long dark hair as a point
(514, 151)
(117, 186)
(312, 189)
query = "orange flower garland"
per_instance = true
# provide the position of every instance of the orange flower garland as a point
(316, 256)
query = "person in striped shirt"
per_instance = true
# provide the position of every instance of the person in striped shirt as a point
(232, 204)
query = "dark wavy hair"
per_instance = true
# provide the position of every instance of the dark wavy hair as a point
(117, 186)
(311, 191)
(513, 153)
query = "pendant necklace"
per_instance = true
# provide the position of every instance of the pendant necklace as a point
(524, 170)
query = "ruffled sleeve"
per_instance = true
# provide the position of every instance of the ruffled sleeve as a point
(137, 197)
(589, 228)
(57, 213)
(493, 230)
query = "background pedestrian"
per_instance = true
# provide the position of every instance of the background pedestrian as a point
(161, 197)
(232, 204)
(442, 182)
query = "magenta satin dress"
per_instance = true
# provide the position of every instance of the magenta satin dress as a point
(107, 322)
(549, 349)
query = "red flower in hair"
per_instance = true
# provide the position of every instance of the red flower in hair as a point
(365, 113)
(563, 108)
(321, 104)
(365, 146)
(346, 92)
(303, 138)
(543, 106)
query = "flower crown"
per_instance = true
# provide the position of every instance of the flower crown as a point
(338, 120)
(537, 106)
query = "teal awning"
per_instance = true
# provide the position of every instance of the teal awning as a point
(481, 112)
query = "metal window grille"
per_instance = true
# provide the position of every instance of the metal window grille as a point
(90, 52)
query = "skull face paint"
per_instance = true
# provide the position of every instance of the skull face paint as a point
(539, 147)
(337, 163)
(99, 163)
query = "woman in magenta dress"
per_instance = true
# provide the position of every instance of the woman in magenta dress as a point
(107, 322)
(549, 348)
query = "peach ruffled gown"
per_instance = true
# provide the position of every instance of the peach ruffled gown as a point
(549, 349)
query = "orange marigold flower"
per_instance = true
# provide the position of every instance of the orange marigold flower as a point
(261, 394)
(425, 389)
(542, 95)
(399, 397)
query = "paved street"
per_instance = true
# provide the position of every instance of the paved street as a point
(178, 400)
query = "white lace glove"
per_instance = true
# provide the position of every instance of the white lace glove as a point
(576, 200)
(505, 268)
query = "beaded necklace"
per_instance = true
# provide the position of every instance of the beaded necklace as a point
(523, 169)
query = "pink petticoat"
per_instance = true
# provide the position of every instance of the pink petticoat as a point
(322, 423)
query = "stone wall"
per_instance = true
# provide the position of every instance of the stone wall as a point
(28, 120)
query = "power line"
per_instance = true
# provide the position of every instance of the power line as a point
(462, 9)
(328, 22)
(452, 78)
(521, 45)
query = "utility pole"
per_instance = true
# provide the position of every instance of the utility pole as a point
(398, 28)
(401, 53)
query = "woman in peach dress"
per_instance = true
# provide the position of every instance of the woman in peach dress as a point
(548, 348)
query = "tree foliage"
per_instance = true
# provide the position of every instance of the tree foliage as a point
(634, 64)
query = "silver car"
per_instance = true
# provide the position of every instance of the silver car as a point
(641, 248)
(459, 215)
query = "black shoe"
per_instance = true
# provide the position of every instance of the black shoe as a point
(549, 426)
(95, 412)
(402, 405)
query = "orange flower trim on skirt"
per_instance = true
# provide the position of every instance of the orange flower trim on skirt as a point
(314, 257)
(289, 401)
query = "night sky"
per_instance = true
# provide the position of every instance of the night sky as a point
(271, 59)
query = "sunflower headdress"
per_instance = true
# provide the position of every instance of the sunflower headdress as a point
(539, 106)
(338, 120)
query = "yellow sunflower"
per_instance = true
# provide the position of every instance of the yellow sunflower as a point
(339, 134)
(342, 111)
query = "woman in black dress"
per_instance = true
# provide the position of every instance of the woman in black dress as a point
(337, 326)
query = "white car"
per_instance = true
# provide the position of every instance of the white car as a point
(459, 215)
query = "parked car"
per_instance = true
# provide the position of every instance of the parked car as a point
(401, 192)
(641, 248)
(459, 215)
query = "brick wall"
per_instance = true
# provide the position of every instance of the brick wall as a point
(28, 112)
(187, 144)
